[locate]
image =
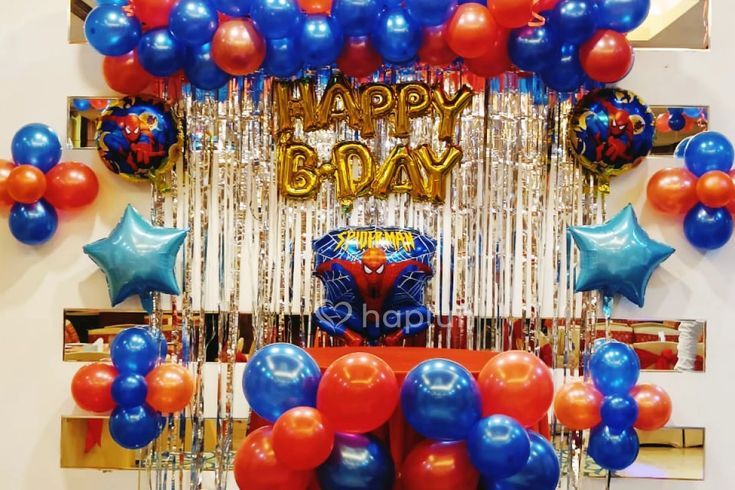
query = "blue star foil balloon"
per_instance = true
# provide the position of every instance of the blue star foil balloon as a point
(617, 257)
(138, 258)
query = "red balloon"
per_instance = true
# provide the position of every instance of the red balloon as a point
(71, 185)
(577, 406)
(358, 58)
(26, 184)
(662, 122)
(302, 438)
(358, 393)
(124, 74)
(99, 104)
(5, 168)
(673, 190)
(542, 5)
(237, 47)
(91, 387)
(607, 56)
(434, 48)
(517, 384)
(654, 406)
(715, 189)
(439, 466)
(316, 6)
(730, 207)
(496, 61)
(170, 388)
(471, 30)
(513, 13)
(153, 13)
(256, 466)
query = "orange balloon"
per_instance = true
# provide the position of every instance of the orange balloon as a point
(715, 189)
(730, 207)
(357, 393)
(170, 388)
(315, 6)
(662, 122)
(517, 384)
(607, 56)
(237, 47)
(5, 168)
(577, 406)
(673, 190)
(512, 13)
(496, 61)
(302, 438)
(26, 184)
(654, 406)
(256, 466)
(91, 387)
(125, 74)
(439, 466)
(71, 185)
(471, 30)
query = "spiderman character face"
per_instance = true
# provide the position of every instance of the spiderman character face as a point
(620, 123)
(131, 127)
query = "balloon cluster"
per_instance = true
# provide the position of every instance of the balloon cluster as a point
(322, 423)
(34, 185)
(681, 119)
(136, 388)
(213, 40)
(703, 190)
(613, 406)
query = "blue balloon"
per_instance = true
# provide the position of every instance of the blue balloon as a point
(498, 446)
(278, 378)
(693, 112)
(440, 400)
(708, 228)
(135, 427)
(233, 8)
(119, 3)
(82, 105)
(613, 450)
(135, 351)
(357, 17)
(622, 15)
(129, 390)
(160, 53)
(541, 471)
(276, 19)
(565, 73)
(33, 224)
(574, 20)
(357, 462)
(193, 22)
(282, 57)
(708, 151)
(619, 412)
(614, 368)
(397, 37)
(111, 31)
(676, 119)
(430, 13)
(321, 40)
(38, 145)
(202, 71)
(681, 148)
(532, 48)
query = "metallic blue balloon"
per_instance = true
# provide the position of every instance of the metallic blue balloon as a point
(708, 228)
(681, 148)
(276, 19)
(33, 224)
(613, 450)
(321, 40)
(614, 368)
(160, 53)
(111, 31)
(82, 105)
(193, 22)
(565, 74)
(202, 71)
(532, 48)
(499, 446)
(136, 427)
(619, 412)
(541, 471)
(282, 57)
(135, 351)
(357, 17)
(278, 378)
(574, 20)
(112, 2)
(440, 400)
(129, 390)
(617, 257)
(708, 151)
(622, 15)
(38, 145)
(357, 462)
(693, 112)
(396, 36)
(233, 8)
(138, 258)
(431, 13)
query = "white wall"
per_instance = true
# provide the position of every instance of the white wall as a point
(40, 69)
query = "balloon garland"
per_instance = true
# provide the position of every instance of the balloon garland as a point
(34, 185)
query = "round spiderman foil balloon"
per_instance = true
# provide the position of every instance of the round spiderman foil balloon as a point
(139, 138)
(375, 282)
(611, 131)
